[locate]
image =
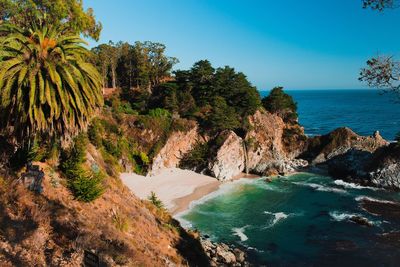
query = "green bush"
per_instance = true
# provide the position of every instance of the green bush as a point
(112, 148)
(155, 200)
(197, 158)
(159, 113)
(87, 186)
(95, 133)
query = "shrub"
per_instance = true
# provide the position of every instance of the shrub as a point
(197, 158)
(120, 221)
(87, 187)
(159, 113)
(95, 132)
(155, 201)
(112, 148)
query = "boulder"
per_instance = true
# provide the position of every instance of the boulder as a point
(230, 158)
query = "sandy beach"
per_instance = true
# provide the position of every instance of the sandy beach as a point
(176, 188)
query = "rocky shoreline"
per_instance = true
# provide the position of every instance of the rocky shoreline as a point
(220, 254)
(275, 147)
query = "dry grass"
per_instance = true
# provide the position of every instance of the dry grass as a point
(53, 229)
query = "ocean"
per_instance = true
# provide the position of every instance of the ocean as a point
(364, 111)
(305, 219)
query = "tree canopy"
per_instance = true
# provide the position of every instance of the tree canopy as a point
(143, 64)
(281, 103)
(46, 85)
(68, 15)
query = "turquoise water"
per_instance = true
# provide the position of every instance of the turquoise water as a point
(303, 220)
(365, 111)
(299, 220)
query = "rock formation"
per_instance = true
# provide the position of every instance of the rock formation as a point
(267, 151)
(366, 160)
(178, 144)
(230, 158)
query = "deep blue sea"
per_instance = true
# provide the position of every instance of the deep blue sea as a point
(364, 111)
(306, 219)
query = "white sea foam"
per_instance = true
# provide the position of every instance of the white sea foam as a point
(322, 188)
(361, 198)
(342, 216)
(240, 233)
(278, 217)
(353, 185)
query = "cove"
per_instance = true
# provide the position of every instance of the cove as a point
(303, 219)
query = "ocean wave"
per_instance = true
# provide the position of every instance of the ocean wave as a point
(361, 198)
(278, 217)
(240, 233)
(353, 185)
(184, 223)
(343, 216)
(322, 188)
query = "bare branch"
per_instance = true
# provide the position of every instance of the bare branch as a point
(380, 5)
(382, 72)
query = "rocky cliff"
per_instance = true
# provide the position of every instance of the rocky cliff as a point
(338, 142)
(269, 147)
(369, 160)
(178, 144)
(269, 150)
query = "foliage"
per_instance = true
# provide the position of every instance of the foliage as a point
(197, 158)
(379, 5)
(85, 185)
(281, 103)
(222, 117)
(382, 72)
(46, 85)
(155, 200)
(120, 221)
(70, 15)
(159, 113)
(143, 65)
(95, 132)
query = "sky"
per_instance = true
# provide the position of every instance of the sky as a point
(310, 44)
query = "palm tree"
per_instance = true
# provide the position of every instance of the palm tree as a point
(47, 86)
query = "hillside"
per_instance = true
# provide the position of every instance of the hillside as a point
(53, 229)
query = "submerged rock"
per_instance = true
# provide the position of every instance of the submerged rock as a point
(361, 221)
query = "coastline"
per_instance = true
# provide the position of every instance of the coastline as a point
(176, 188)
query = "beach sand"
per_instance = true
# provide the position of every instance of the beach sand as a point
(176, 188)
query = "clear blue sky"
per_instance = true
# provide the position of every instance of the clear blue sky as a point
(310, 44)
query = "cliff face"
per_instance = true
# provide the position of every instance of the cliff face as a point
(178, 144)
(268, 149)
(384, 168)
(230, 159)
(340, 141)
(363, 159)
